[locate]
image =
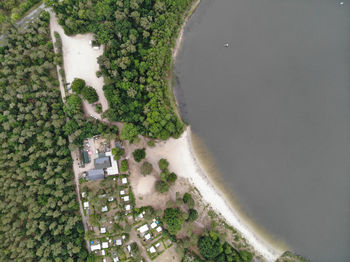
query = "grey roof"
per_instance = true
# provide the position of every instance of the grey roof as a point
(102, 162)
(95, 174)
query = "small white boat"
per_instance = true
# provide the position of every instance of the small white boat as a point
(226, 45)
(341, 3)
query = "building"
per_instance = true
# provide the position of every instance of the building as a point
(103, 230)
(95, 174)
(159, 229)
(148, 236)
(113, 169)
(124, 180)
(154, 225)
(104, 209)
(126, 198)
(152, 249)
(104, 244)
(86, 205)
(143, 228)
(119, 242)
(95, 247)
(86, 157)
(102, 162)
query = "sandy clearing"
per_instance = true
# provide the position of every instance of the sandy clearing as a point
(145, 185)
(183, 162)
(80, 60)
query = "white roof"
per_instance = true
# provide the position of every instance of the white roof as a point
(86, 204)
(95, 247)
(104, 209)
(143, 228)
(126, 198)
(113, 170)
(127, 207)
(159, 229)
(148, 236)
(124, 180)
(140, 215)
(103, 260)
(83, 194)
(129, 248)
(110, 199)
(154, 225)
(103, 230)
(104, 244)
(115, 259)
(152, 249)
(119, 242)
(103, 253)
(157, 245)
(122, 192)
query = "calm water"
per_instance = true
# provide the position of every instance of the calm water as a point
(274, 110)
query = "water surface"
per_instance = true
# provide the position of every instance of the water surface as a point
(274, 110)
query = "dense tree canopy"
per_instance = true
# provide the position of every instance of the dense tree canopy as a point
(139, 154)
(173, 219)
(77, 85)
(138, 36)
(39, 218)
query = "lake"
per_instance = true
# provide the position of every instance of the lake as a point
(273, 109)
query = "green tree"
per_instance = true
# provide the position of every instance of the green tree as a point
(129, 132)
(89, 94)
(172, 178)
(192, 215)
(124, 166)
(117, 153)
(209, 246)
(163, 164)
(173, 220)
(78, 85)
(139, 154)
(146, 168)
(162, 186)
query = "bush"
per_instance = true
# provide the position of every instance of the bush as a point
(162, 186)
(163, 164)
(209, 247)
(151, 143)
(172, 178)
(78, 85)
(146, 168)
(187, 197)
(89, 94)
(164, 175)
(124, 166)
(139, 154)
(192, 215)
(99, 108)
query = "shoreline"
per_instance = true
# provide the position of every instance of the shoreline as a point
(184, 162)
(202, 181)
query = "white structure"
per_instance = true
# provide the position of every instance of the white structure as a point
(159, 229)
(157, 245)
(148, 236)
(103, 230)
(86, 205)
(95, 247)
(119, 242)
(128, 248)
(124, 180)
(126, 198)
(127, 207)
(115, 259)
(154, 225)
(104, 209)
(110, 199)
(122, 192)
(83, 194)
(104, 244)
(103, 253)
(152, 249)
(113, 170)
(143, 228)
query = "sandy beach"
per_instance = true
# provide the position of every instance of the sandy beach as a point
(183, 162)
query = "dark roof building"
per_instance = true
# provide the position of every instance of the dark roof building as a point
(95, 174)
(86, 158)
(102, 162)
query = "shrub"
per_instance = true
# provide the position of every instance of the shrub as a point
(172, 178)
(124, 166)
(99, 108)
(164, 175)
(139, 154)
(192, 215)
(129, 132)
(146, 168)
(209, 247)
(186, 197)
(163, 164)
(78, 85)
(151, 143)
(89, 94)
(162, 186)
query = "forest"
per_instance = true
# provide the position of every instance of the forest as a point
(138, 36)
(39, 217)
(12, 10)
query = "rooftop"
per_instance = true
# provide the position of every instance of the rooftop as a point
(143, 228)
(95, 247)
(102, 162)
(95, 174)
(104, 244)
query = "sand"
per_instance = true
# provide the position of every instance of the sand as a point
(145, 185)
(183, 162)
(80, 60)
